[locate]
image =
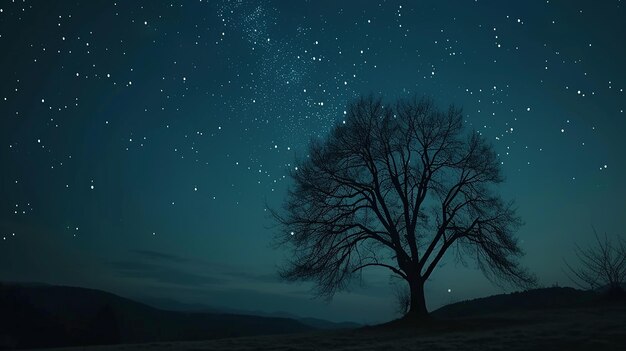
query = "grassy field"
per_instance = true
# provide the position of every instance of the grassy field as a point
(596, 328)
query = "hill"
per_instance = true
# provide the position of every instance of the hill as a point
(594, 326)
(553, 318)
(547, 298)
(173, 305)
(55, 316)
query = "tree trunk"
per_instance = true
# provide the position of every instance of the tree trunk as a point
(417, 309)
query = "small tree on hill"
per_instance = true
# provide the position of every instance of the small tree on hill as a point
(397, 186)
(600, 266)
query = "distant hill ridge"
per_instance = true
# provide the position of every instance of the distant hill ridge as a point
(545, 298)
(173, 305)
(53, 316)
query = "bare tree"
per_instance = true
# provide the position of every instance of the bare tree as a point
(602, 265)
(396, 186)
(403, 299)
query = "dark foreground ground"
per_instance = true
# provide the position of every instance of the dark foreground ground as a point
(595, 328)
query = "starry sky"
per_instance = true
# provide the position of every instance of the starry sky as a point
(142, 140)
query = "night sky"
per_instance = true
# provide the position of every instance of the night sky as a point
(141, 140)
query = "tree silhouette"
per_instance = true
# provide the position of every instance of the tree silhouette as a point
(396, 186)
(600, 266)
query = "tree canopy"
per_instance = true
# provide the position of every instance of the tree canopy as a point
(397, 186)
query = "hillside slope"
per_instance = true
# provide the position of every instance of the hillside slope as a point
(52, 316)
(546, 298)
